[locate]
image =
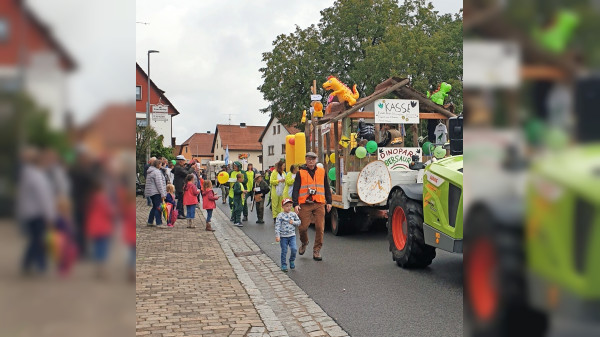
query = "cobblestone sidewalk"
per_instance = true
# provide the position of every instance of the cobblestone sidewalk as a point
(196, 283)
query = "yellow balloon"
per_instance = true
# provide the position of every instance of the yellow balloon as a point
(223, 177)
(332, 158)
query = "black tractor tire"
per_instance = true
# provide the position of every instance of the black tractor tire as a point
(414, 253)
(341, 221)
(496, 299)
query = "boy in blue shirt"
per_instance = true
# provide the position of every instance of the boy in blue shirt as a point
(285, 233)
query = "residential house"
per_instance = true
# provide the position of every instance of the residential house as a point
(108, 133)
(31, 59)
(162, 122)
(198, 146)
(242, 141)
(272, 139)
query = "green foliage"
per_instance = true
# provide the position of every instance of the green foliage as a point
(364, 42)
(147, 136)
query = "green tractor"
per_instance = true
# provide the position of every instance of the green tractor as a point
(562, 233)
(428, 214)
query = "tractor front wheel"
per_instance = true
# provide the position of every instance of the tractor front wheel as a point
(340, 221)
(405, 233)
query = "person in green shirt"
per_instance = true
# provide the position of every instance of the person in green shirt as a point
(250, 172)
(237, 168)
(239, 194)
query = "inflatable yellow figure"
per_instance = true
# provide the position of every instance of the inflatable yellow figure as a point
(303, 120)
(318, 109)
(343, 93)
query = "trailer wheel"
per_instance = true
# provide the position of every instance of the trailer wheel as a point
(495, 282)
(405, 233)
(340, 221)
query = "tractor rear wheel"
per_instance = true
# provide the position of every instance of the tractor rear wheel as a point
(405, 233)
(495, 282)
(341, 222)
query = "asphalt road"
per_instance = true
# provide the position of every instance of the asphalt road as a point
(359, 285)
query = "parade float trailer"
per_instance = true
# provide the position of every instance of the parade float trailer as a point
(368, 185)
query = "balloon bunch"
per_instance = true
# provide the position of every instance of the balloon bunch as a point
(370, 147)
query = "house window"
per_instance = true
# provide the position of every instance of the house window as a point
(278, 129)
(138, 92)
(271, 150)
(186, 149)
(282, 148)
(3, 29)
(221, 157)
(274, 129)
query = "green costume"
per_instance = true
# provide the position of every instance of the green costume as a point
(249, 188)
(277, 199)
(233, 176)
(238, 199)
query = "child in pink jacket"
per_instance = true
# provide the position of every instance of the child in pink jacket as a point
(190, 199)
(208, 201)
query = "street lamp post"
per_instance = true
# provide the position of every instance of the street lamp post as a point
(148, 104)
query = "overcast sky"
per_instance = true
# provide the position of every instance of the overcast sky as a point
(210, 52)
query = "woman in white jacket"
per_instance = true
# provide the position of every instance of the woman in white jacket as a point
(156, 189)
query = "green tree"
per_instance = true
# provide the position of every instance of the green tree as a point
(147, 136)
(364, 42)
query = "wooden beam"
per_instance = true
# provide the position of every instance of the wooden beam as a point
(431, 115)
(368, 101)
(542, 73)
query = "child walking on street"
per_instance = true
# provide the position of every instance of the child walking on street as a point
(190, 199)
(208, 201)
(239, 193)
(285, 233)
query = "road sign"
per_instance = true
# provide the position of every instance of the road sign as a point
(160, 108)
(316, 97)
(160, 116)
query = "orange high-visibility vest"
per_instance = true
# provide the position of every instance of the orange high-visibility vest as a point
(318, 183)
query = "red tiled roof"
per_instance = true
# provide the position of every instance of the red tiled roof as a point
(114, 124)
(239, 138)
(200, 144)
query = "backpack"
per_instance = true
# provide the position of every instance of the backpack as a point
(172, 215)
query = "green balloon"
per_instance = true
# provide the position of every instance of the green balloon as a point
(361, 152)
(439, 152)
(173, 162)
(371, 146)
(331, 173)
(426, 148)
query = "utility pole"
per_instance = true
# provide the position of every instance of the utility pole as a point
(148, 105)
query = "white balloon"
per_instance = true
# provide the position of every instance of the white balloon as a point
(320, 165)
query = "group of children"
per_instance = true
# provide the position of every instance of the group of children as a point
(285, 224)
(190, 200)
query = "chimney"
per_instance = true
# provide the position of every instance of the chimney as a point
(242, 125)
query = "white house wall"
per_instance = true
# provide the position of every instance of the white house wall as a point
(162, 128)
(269, 139)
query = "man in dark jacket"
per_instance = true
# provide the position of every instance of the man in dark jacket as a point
(180, 172)
(261, 188)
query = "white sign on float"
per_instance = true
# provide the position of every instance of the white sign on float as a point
(397, 111)
(398, 158)
(316, 97)
(325, 129)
